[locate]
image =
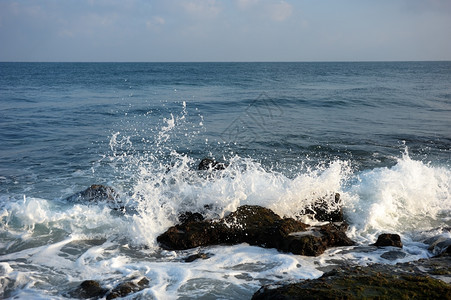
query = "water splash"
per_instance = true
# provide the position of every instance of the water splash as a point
(410, 196)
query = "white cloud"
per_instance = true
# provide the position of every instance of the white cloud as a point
(280, 11)
(156, 20)
(202, 8)
(155, 23)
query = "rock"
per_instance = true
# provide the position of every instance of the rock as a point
(127, 288)
(388, 239)
(327, 209)
(209, 164)
(89, 289)
(393, 255)
(188, 217)
(95, 192)
(401, 281)
(439, 245)
(316, 240)
(257, 226)
(197, 256)
(92, 289)
(447, 252)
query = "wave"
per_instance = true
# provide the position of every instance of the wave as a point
(409, 197)
(157, 183)
(65, 242)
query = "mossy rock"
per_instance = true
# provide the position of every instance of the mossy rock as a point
(361, 283)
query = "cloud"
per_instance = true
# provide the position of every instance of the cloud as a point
(202, 8)
(155, 22)
(245, 4)
(280, 11)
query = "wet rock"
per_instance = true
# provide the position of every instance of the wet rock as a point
(127, 288)
(447, 252)
(210, 164)
(393, 255)
(388, 239)
(89, 289)
(439, 245)
(95, 192)
(258, 226)
(400, 281)
(188, 217)
(327, 209)
(197, 256)
(316, 240)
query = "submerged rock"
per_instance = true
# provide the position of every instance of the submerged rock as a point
(401, 281)
(210, 164)
(439, 245)
(388, 239)
(257, 226)
(393, 255)
(91, 289)
(95, 192)
(197, 256)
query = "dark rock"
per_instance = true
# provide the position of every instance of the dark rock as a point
(439, 245)
(327, 209)
(209, 164)
(122, 290)
(316, 240)
(188, 217)
(388, 239)
(95, 192)
(447, 252)
(258, 226)
(401, 281)
(127, 288)
(89, 289)
(393, 255)
(197, 256)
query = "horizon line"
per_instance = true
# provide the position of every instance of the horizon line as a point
(287, 61)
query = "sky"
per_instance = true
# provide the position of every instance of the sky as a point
(224, 30)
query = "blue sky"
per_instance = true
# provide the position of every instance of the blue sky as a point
(220, 30)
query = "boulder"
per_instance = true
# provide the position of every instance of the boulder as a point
(317, 239)
(401, 281)
(92, 289)
(257, 226)
(210, 164)
(388, 239)
(393, 255)
(127, 288)
(439, 245)
(95, 192)
(89, 289)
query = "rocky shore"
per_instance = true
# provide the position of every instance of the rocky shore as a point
(423, 279)
(259, 226)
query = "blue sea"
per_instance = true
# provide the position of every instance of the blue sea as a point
(378, 133)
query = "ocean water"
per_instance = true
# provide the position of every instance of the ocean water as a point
(377, 133)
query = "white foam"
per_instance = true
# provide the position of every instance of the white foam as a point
(407, 197)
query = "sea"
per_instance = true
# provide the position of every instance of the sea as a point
(377, 133)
